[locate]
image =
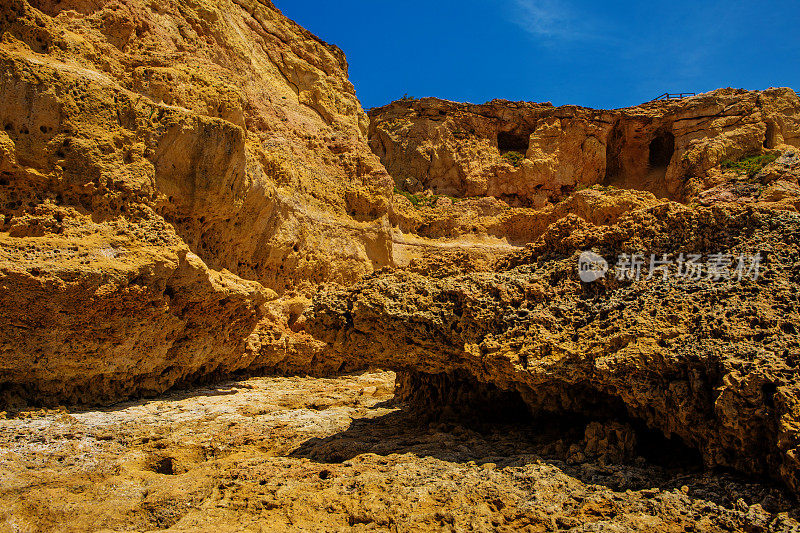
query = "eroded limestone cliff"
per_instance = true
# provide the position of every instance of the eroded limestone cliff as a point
(530, 153)
(188, 189)
(165, 170)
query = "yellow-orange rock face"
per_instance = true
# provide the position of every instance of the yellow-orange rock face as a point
(165, 170)
(189, 188)
(534, 153)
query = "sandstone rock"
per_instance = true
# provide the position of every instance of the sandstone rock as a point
(188, 189)
(158, 184)
(709, 362)
(667, 148)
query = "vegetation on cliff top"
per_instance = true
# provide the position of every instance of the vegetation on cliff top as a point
(422, 200)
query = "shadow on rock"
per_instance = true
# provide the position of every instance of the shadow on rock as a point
(620, 455)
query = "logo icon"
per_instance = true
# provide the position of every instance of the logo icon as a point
(591, 267)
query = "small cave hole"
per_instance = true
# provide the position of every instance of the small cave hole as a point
(165, 466)
(661, 150)
(510, 142)
(666, 452)
(769, 390)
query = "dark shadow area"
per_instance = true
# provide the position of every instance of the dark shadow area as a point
(613, 154)
(661, 150)
(511, 142)
(771, 136)
(639, 160)
(618, 453)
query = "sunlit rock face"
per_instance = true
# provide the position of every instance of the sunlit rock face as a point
(166, 169)
(530, 154)
(190, 189)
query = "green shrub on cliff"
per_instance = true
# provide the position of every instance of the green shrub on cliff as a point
(750, 165)
(514, 158)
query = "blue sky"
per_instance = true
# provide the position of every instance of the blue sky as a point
(597, 54)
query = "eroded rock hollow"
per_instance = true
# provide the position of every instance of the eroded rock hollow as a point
(191, 189)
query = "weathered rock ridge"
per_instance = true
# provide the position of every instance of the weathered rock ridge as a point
(714, 363)
(666, 147)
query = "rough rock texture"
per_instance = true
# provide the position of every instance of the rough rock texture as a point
(227, 119)
(187, 190)
(300, 454)
(665, 147)
(156, 160)
(712, 362)
(165, 169)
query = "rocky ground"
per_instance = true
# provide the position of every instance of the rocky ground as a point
(191, 192)
(339, 454)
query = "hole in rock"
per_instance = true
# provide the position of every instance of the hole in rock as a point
(562, 416)
(771, 136)
(661, 150)
(447, 396)
(164, 465)
(665, 452)
(769, 390)
(639, 160)
(510, 142)
(454, 418)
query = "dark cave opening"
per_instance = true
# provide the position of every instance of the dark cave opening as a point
(661, 150)
(638, 158)
(613, 159)
(511, 142)
(461, 398)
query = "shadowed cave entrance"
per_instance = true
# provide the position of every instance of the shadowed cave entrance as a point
(462, 399)
(661, 150)
(512, 142)
(455, 418)
(639, 160)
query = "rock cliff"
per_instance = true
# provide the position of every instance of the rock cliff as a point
(165, 170)
(530, 154)
(190, 188)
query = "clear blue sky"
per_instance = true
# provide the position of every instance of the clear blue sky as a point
(602, 54)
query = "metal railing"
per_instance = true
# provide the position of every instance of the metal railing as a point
(673, 96)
